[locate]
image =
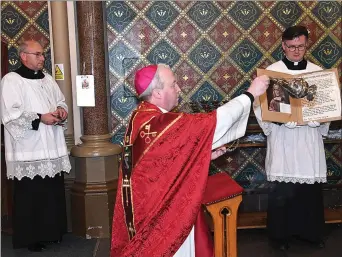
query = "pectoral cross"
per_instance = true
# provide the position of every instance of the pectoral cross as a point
(126, 184)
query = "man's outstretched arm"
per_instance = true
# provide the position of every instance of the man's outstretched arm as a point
(232, 117)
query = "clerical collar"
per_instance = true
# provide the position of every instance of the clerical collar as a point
(295, 65)
(163, 110)
(28, 73)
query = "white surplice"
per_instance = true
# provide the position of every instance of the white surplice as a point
(231, 124)
(294, 155)
(29, 152)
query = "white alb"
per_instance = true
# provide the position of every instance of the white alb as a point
(28, 152)
(294, 154)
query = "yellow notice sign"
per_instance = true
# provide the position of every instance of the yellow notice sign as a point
(59, 72)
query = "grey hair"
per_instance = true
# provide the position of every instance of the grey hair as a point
(22, 47)
(155, 83)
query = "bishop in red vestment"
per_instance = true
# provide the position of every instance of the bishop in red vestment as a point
(164, 168)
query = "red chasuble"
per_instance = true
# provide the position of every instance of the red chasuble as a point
(163, 175)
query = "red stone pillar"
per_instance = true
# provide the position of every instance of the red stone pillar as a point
(96, 159)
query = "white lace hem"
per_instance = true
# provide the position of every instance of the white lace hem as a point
(267, 127)
(297, 180)
(30, 169)
(18, 127)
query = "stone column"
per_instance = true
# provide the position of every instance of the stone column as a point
(59, 34)
(61, 55)
(96, 159)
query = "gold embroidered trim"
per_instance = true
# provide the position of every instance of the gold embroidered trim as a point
(160, 134)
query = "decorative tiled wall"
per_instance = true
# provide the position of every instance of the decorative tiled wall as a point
(23, 20)
(214, 47)
(246, 165)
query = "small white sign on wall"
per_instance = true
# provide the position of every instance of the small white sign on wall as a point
(85, 91)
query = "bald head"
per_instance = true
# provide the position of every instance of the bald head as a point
(31, 54)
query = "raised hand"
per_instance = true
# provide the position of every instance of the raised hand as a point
(218, 152)
(259, 85)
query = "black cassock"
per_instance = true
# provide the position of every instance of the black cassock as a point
(39, 212)
(295, 210)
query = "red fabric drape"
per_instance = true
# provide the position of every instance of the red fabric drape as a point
(204, 246)
(168, 181)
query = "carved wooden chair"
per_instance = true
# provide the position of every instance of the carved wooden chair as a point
(221, 200)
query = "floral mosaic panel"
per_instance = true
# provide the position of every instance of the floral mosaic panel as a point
(220, 43)
(286, 13)
(214, 48)
(161, 14)
(203, 13)
(163, 52)
(24, 20)
(328, 51)
(245, 13)
(246, 55)
(119, 15)
(183, 35)
(205, 55)
(206, 93)
(327, 12)
(187, 77)
(225, 34)
(12, 22)
(122, 59)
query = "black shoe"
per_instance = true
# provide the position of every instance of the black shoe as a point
(281, 245)
(320, 244)
(53, 242)
(317, 243)
(36, 247)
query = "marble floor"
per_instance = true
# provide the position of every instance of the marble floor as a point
(251, 243)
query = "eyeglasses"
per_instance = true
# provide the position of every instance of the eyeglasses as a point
(38, 55)
(293, 48)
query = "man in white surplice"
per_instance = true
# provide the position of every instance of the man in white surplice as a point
(295, 160)
(33, 112)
